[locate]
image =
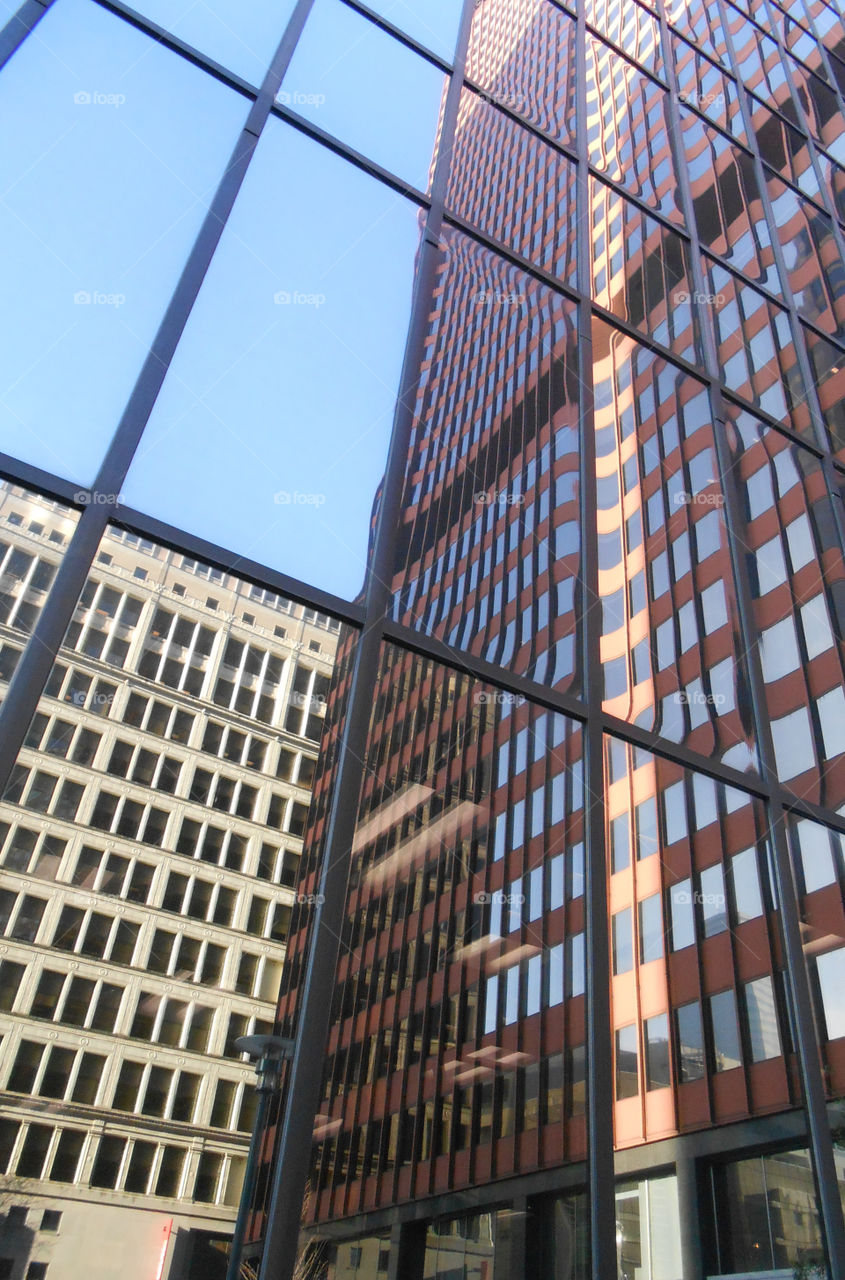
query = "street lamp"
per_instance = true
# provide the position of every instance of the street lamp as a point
(269, 1052)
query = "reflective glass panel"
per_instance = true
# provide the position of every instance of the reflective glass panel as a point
(241, 37)
(522, 55)
(756, 351)
(280, 398)
(159, 802)
(494, 463)
(797, 579)
(631, 27)
(811, 256)
(445, 912)
(696, 913)
(489, 187)
(704, 86)
(103, 199)
(729, 213)
(627, 129)
(662, 542)
(434, 23)
(755, 1231)
(641, 271)
(336, 57)
(700, 22)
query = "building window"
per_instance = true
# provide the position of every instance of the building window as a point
(830, 968)
(762, 1019)
(658, 1069)
(766, 1213)
(725, 1031)
(627, 1084)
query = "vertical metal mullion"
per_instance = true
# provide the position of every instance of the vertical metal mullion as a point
(600, 1075)
(19, 26)
(293, 1148)
(37, 659)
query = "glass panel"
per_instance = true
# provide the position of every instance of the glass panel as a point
(627, 1083)
(692, 937)
(656, 456)
(240, 37)
(491, 160)
(725, 1031)
(95, 101)
(729, 212)
(828, 363)
(756, 352)
(762, 1017)
(458, 832)
(756, 1228)
(183, 679)
(496, 471)
(811, 257)
(631, 27)
(797, 576)
(536, 79)
(641, 272)
(703, 85)
(433, 23)
(785, 149)
(700, 22)
(336, 57)
(285, 460)
(692, 1065)
(627, 130)
(648, 1230)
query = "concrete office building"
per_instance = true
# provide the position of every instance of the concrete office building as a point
(151, 833)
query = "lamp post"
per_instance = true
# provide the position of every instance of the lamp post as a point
(269, 1052)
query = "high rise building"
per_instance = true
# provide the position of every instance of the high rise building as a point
(566, 954)
(579, 823)
(149, 839)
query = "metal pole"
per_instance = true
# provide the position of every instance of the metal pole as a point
(270, 1051)
(265, 1092)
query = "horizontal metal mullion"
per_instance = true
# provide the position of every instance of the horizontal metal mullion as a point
(458, 660)
(345, 152)
(410, 42)
(176, 45)
(231, 562)
(52, 486)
